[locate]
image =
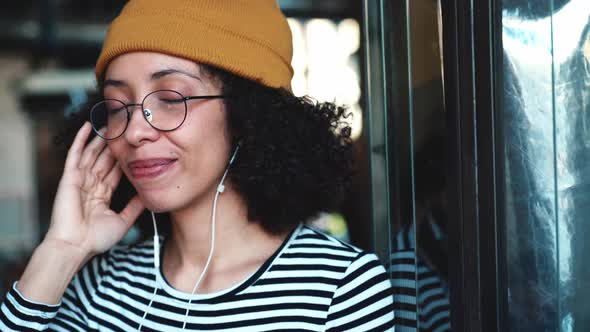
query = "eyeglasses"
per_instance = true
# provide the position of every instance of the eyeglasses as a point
(164, 110)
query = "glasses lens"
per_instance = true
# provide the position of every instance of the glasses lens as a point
(165, 109)
(110, 114)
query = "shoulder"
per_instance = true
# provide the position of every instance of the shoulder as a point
(309, 237)
(308, 245)
(362, 296)
(315, 246)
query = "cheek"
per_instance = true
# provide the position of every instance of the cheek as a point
(116, 149)
(205, 126)
(204, 143)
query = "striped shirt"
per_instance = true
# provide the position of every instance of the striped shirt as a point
(311, 283)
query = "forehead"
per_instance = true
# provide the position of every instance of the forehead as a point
(142, 65)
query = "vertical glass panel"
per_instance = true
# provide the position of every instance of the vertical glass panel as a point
(546, 101)
(376, 120)
(417, 152)
(571, 60)
(429, 158)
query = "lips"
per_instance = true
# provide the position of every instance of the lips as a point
(150, 168)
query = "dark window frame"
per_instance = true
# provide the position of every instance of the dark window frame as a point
(473, 76)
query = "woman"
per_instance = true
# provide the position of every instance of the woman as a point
(198, 116)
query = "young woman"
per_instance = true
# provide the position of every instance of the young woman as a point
(198, 115)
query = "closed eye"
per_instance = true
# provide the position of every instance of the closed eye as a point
(172, 100)
(114, 111)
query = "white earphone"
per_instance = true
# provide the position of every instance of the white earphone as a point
(220, 189)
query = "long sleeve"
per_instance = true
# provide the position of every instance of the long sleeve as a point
(364, 298)
(18, 313)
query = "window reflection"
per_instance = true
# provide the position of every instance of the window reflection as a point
(418, 185)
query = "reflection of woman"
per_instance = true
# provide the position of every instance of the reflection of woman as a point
(419, 272)
(196, 91)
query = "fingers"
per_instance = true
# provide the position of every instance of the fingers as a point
(98, 185)
(75, 151)
(132, 211)
(104, 164)
(93, 157)
(91, 153)
(114, 175)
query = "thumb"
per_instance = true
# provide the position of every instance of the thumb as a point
(132, 211)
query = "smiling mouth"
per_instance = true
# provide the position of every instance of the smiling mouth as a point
(150, 168)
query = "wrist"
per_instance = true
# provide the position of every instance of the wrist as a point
(68, 254)
(50, 270)
(65, 250)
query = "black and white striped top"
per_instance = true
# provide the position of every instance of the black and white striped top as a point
(312, 283)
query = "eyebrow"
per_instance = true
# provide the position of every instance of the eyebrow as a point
(165, 72)
(154, 76)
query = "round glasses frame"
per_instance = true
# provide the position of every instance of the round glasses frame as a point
(143, 112)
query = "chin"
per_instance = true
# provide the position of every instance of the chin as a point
(161, 204)
(171, 198)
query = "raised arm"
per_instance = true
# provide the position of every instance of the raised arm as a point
(82, 225)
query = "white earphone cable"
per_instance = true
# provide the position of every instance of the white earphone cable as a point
(156, 266)
(220, 189)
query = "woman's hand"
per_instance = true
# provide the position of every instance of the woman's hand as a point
(82, 224)
(81, 218)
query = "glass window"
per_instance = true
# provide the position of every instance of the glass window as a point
(546, 49)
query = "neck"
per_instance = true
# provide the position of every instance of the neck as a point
(190, 238)
(241, 246)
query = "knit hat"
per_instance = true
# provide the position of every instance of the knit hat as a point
(250, 38)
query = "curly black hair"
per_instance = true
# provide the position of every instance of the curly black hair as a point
(295, 158)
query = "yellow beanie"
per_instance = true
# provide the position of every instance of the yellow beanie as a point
(250, 38)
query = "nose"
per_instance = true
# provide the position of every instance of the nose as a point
(139, 131)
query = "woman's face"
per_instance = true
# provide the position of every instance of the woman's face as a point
(170, 170)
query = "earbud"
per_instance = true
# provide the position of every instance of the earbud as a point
(156, 242)
(233, 157)
(221, 187)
